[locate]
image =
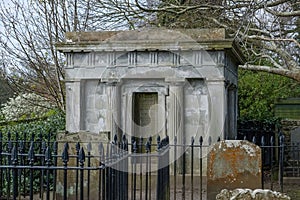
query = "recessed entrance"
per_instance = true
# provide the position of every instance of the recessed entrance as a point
(145, 115)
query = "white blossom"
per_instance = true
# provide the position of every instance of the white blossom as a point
(24, 106)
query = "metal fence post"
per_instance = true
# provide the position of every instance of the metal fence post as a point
(201, 179)
(1, 171)
(147, 146)
(101, 176)
(48, 163)
(77, 148)
(271, 159)
(281, 161)
(65, 159)
(192, 167)
(262, 160)
(31, 157)
(89, 149)
(81, 157)
(14, 162)
(54, 171)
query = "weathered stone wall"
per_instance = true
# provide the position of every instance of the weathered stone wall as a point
(84, 138)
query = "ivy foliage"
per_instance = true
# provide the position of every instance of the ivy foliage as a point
(258, 92)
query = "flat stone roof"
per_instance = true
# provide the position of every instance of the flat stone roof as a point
(157, 34)
(150, 40)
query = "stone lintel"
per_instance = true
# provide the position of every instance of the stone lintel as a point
(112, 81)
(215, 81)
(175, 80)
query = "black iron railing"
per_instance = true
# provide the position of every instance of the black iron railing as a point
(164, 170)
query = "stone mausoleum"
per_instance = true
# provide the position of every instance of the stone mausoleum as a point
(152, 82)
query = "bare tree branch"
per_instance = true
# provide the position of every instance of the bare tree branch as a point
(294, 74)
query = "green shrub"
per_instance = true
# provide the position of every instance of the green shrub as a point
(44, 128)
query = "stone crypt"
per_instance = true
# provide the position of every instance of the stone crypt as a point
(152, 82)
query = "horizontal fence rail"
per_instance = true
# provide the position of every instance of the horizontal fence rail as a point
(145, 168)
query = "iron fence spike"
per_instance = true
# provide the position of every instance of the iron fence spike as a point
(281, 140)
(100, 148)
(31, 152)
(254, 140)
(21, 145)
(272, 140)
(201, 140)
(134, 147)
(9, 145)
(89, 147)
(77, 146)
(126, 145)
(47, 155)
(55, 144)
(147, 146)
(65, 153)
(115, 139)
(158, 142)
(43, 146)
(81, 155)
(14, 155)
(262, 140)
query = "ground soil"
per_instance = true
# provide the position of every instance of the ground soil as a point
(291, 189)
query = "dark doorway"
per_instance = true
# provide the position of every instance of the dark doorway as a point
(145, 118)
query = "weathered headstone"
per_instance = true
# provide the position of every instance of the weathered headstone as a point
(233, 164)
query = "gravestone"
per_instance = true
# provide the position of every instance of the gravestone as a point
(233, 164)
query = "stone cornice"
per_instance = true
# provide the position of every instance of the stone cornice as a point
(150, 40)
(127, 46)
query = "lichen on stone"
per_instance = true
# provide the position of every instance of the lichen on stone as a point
(248, 194)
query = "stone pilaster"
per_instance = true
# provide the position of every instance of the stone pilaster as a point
(176, 109)
(217, 110)
(74, 107)
(114, 108)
